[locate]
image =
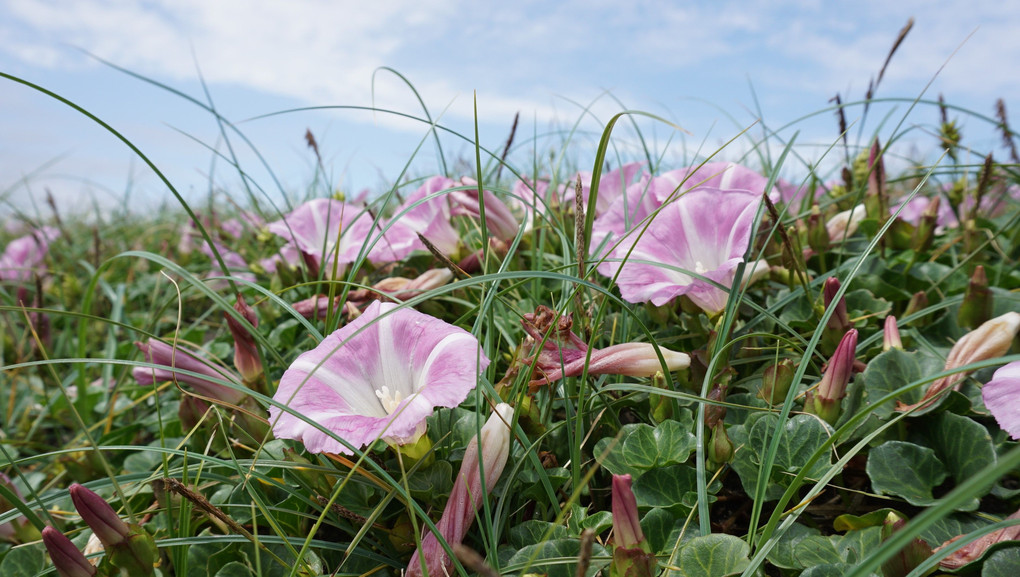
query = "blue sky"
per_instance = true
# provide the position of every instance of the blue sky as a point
(694, 63)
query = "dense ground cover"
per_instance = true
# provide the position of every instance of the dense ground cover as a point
(695, 369)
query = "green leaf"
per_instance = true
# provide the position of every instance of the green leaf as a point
(713, 555)
(667, 488)
(962, 444)
(782, 555)
(861, 303)
(535, 531)
(1002, 563)
(431, 482)
(849, 548)
(905, 470)
(555, 558)
(950, 526)
(803, 434)
(642, 447)
(657, 525)
(23, 561)
(598, 522)
(234, 569)
(828, 570)
(893, 369)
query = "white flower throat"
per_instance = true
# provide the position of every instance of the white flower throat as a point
(390, 399)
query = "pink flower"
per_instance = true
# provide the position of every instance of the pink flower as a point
(915, 207)
(531, 199)
(704, 230)
(611, 186)
(237, 267)
(318, 226)
(1002, 397)
(468, 491)
(499, 220)
(23, 257)
(425, 214)
(377, 377)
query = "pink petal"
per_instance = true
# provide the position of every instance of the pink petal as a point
(1002, 397)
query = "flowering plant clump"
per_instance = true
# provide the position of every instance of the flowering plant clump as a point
(603, 361)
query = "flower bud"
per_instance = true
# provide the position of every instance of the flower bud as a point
(776, 381)
(891, 335)
(875, 200)
(661, 406)
(632, 555)
(246, 353)
(825, 400)
(99, 515)
(976, 307)
(720, 447)
(907, 558)
(844, 224)
(468, 491)
(173, 360)
(817, 235)
(990, 340)
(924, 233)
(918, 302)
(839, 321)
(67, 559)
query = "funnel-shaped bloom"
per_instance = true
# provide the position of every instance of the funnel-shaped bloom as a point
(174, 360)
(704, 231)
(1002, 397)
(237, 267)
(531, 199)
(319, 225)
(377, 377)
(468, 491)
(499, 220)
(67, 559)
(420, 214)
(24, 256)
(990, 340)
(611, 186)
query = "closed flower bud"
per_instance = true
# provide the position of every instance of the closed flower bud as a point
(917, 303)
(99, 515)
(720, 447)
(776, 381)
(468, 491)
(839, 321)
(67, 559)
(925, 231)
(891, 335)
(246, 353)
(632, 555)
(990, 340)
(907, 558)
(825, 400)
(844, 224)
(976, 307)
(817, 234)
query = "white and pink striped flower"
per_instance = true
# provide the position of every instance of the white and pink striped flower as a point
(379, 376)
